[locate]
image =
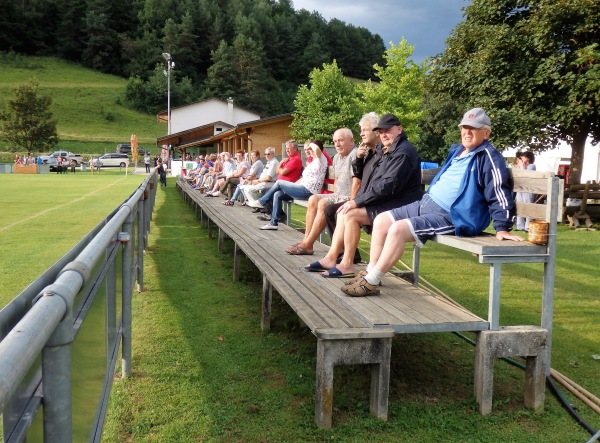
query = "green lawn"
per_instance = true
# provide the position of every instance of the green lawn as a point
(204, 371)
(89, 107)
(43, 216)
(197, 343)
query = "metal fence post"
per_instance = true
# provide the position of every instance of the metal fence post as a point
(56, 377)
(140, 244)
(127, 240)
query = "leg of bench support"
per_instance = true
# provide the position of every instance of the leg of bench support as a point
(220, 240)
(494, 296)
(373, 351)
(237, 254)
(415, 264)
(526, 341)
(265, 308)
(209, 228)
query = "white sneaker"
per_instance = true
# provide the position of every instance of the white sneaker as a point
(269, 227)
(255, 204)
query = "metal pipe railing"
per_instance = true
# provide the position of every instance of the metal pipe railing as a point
(48, 326)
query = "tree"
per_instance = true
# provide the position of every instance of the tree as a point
(399, 90)
(27, 122)
(534, 66)
(328, 104)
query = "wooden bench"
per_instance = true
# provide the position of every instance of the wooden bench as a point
(348, 330)
(584, 192)
(494, 252)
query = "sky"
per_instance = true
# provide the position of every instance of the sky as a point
(425, 24)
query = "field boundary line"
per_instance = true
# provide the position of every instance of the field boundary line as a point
(39, 214)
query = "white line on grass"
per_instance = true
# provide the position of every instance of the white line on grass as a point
(83, 197)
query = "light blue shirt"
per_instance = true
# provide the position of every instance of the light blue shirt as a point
(445, 190)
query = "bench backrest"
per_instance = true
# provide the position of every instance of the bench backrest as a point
(540, 183)
(331, 175)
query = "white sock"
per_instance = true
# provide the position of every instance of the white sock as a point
(374, 276)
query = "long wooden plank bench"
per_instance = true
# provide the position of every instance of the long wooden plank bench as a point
(348, 330)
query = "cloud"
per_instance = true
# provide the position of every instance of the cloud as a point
(425, 24)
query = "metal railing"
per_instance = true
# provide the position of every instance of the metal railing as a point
(61, 336)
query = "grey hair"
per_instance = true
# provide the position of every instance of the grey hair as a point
(347, 133)
(371, 118)
(292, 142)
(270, 150)
(489, 128)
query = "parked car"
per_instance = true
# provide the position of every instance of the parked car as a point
(116, 159)
(125, 148)
(50, 159)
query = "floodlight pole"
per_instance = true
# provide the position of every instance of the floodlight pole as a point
(170, 65)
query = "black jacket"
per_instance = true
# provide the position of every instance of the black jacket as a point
(390, 180)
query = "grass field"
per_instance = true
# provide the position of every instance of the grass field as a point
(43, 216)
(203, 370)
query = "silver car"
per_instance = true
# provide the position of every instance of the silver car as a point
(114, 159)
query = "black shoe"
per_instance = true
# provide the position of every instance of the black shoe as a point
(256, 210)
(264, 217)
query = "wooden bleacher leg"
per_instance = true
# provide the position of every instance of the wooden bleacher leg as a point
(220, 240)
(375, 352)
(237, 254)
(510, 341)
(265, 308)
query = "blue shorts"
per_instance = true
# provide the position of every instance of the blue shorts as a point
(425, 219)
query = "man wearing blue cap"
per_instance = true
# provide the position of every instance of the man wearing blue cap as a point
(472, 187)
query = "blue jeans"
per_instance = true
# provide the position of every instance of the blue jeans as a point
(283, 190)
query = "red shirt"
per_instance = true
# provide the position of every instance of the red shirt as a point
(294, 164)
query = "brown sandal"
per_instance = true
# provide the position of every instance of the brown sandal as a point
(360, 288)
(228, 203)
(358, 277)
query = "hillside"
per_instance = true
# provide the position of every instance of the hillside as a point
(87, 105)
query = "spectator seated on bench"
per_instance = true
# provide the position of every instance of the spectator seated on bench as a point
(254, 187)
(391, 177)
(472, 184)
(311, 183)
(341, 173)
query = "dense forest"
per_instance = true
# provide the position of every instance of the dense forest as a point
(258, 51)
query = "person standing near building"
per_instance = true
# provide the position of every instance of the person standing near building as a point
(147, 162)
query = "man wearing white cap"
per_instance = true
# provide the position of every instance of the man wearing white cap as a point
(471, 188)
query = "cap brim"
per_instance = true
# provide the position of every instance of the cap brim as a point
(473, 125)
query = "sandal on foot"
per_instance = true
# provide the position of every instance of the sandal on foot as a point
(360, 275)
(298, 250)
(361, 288)
(228, 203)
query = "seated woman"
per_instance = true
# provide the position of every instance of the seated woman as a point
(231, 180)
(310, 183)
(256, 170)
(229, 166)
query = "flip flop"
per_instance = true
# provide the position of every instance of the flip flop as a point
(336, 273)
(315, 267)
